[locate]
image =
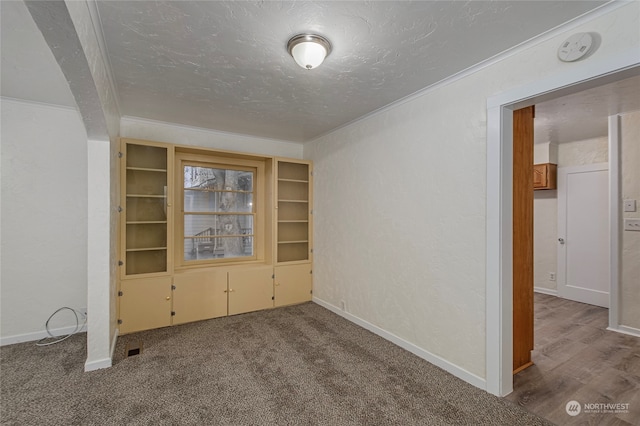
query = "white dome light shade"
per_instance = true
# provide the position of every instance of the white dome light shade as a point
(309, 50)
(308, 54)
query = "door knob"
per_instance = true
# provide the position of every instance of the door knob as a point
(561, 240)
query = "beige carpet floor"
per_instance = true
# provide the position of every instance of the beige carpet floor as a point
(300, 365)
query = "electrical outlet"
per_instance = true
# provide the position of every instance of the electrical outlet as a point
(552, 276)
(343, 305)
(632, 224)
(629, 205)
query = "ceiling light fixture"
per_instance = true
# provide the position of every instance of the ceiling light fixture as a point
(309, 50)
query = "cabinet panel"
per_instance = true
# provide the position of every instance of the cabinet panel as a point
(544, 176)
(146, 156)
(250, 290)
(147, 182)
(146, 235)
(199, 295)
(296, 191)
(293, 252)
(146, 209)
(146, 261)
(145, 304)
(293, 231)
(292, 284)
(293, 211)
(293, 171)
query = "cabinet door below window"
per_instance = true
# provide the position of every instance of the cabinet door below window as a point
(250, 290)
(292, 284)
(199, 295)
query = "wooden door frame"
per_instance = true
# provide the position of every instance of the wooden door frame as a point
(499, 218)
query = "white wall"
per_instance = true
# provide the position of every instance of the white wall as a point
(580, 153)
(545, 209)
(400, 204)
(136, 128)
(630, 276)
(44, 217)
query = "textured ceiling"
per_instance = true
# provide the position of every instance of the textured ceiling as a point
(30, 72)
(223, 65)
(584, 115)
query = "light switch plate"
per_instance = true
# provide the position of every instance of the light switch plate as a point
(629, 205)
(632, 224)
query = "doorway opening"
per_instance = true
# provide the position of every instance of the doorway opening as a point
(499, 206)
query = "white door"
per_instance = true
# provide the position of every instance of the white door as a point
(583, 234)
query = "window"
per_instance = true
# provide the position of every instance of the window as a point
(218, 220)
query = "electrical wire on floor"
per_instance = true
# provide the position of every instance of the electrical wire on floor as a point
(79, 327)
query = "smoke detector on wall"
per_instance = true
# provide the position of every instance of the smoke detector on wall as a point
(576, 47)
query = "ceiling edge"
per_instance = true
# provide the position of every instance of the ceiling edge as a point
(540, 38)
(37, 103)
(202, 129)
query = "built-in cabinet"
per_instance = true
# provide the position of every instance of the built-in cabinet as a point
(293, 211)
(292, 284)
(147, 217)
(145, 303)
(154, 292)
(545, 176)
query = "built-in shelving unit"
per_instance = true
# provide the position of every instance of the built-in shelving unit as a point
(206, 233)
(293, 218)
(145, 208)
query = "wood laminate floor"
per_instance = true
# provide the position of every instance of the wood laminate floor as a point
(577, 359)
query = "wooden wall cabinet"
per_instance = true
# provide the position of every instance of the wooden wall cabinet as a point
(545, 176)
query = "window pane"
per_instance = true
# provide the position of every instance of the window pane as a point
(217, 247)
(217, 202)
(217, 225)
(208, 233)
(218, 179)
(220, 195)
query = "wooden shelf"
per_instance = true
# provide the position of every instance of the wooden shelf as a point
(146, 222)
(146, 249)
(293, 221)
(218, 190)
(147, 169)
(293, 201)
(145, 196)
(293, 242)
(293, 180)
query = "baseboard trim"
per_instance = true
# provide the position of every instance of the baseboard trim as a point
(426, 355)
(37, 335)
(624, 329)
(549, 291)
(97, 364)
(105, 362)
